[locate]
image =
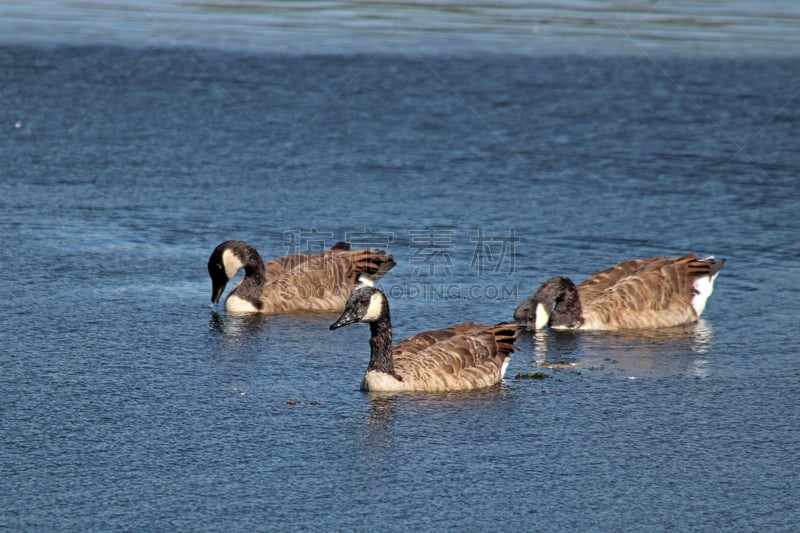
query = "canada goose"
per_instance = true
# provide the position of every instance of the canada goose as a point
(296, 283)
(466, 356)
(643, 293)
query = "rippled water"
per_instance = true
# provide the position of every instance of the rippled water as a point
(127, 401)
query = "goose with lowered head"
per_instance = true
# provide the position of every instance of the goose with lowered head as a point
(642, 293)
(295, 283)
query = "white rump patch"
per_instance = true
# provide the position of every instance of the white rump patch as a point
(542, 316)
(375, 308)
(703, 287)
(231, 263)
(504, 367)
(365, 281)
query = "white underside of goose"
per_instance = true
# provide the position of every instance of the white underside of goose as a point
(375, 380)
(237, 305)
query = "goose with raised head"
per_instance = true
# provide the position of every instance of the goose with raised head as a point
(643, 293)
(295, 283)
(462, 357)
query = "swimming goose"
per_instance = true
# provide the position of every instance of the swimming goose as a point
(466, 356)
(643, 293)
(296, 283)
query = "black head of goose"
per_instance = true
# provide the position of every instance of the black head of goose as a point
(556, 300)
(462, 357)
(642, 293)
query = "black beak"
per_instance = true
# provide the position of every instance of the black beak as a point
(527, 323)
(524, 325)
(523, 316)
(347, 318)
(217, 288)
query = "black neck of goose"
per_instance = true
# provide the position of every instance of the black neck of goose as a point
(568, 311)
(254, 271)
(380, 343)
(253, 281)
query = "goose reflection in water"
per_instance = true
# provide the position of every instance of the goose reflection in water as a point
(677, 350)
(237, 325)
(429, 411)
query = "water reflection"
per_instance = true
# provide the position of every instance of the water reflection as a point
(438, 400)
(237, 325)
(426, 410)
(678, 350)
(246, 325)
(378, 436)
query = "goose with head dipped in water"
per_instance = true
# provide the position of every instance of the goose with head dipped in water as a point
(643, 293)
(462, 357)
(296, 283)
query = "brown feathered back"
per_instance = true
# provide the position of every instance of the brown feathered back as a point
(320, 282)
(466, 356)
(646, 293)
(595, 284)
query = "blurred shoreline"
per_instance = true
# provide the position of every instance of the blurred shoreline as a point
(731, 27)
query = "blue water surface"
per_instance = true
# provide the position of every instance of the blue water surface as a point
(129, 402)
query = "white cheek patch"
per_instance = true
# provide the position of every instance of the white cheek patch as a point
(542, 316)
(375, 308)
(231, 263)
